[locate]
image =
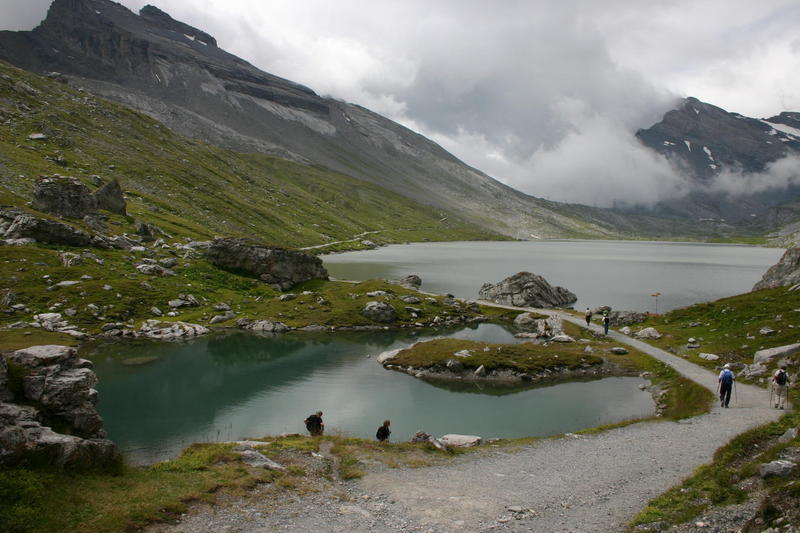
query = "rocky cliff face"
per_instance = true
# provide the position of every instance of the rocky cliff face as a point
(785, 272)
(177, 74)
(47, 387)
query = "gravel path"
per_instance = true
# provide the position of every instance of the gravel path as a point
(594, 483)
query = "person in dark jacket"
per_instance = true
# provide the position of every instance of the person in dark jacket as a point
(726, 379)
(314, 424)
(383, 431)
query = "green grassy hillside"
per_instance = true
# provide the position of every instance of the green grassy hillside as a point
(188, 188)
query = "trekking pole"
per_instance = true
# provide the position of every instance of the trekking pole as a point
(735, 396)
(770, 394)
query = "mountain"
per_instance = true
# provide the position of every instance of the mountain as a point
(705, 142)
(178, 75)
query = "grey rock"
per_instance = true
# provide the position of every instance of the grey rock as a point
(268, 326)
(110, 197)
(541, 327)
(411, 281)
(766, 331)
(221, 306)
(68, 259)
(156, 311)
(526, 289)
(480, 371)
(276, 266)
(63, 196)
(168, 262)
(228, 315)
(154, 270)
(626, 318)
(766, 355)
(455, 366)
(258, 460)
(618, 350)
(157, 329)
(785, 272)
(789, 434)
(562, 338)
(379, 312)
(27, 226)
(44, 356)
(778, 468)
(708, 356)
(287, 297)
(5, 391)
(625, 330)
(460, 441)
(648, 333)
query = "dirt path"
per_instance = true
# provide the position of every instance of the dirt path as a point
(574, 483)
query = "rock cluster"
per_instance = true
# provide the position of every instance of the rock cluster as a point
(785, 272)
(527, 290)
(52, 387)
(279, 267)
(68, 197)
(538, 327)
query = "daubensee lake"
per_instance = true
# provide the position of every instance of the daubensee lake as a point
(234, 386)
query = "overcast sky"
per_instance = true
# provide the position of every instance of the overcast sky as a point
(543, 95)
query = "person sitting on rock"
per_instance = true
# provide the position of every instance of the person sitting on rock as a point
(314, 424)
(383, 431)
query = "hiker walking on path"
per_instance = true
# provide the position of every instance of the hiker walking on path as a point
(383, 431)
(780, 387)
(726, 379)
(314, 424)
(588, 317)
(606, 322)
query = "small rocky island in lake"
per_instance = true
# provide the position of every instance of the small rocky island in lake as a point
(525, 289)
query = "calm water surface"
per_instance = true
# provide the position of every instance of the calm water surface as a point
(622, 274)
(236, 386)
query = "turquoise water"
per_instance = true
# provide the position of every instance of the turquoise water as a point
(241, 385)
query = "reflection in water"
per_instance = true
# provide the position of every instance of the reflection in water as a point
(234, 386)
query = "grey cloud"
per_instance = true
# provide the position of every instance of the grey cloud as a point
(22, 14)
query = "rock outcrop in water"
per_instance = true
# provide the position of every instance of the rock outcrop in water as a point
(784, 273)
(524, 289)
(46, 387)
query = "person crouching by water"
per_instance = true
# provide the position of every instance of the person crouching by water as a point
(588, 317)
(314, 424)
(726, 379)
(383, 432)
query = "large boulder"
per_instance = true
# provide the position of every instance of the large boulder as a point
(277, 266)
(626, 318)
(541, 326)
(63, 196)
(5, 392)
(27, 226)
(768, 354)
(55, 389)
(527, 290)
(785, 272)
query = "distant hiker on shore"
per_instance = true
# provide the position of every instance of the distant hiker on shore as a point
(780, 386)
(588, 317)
(383, 431)
(314, 424)
(606, 322)
(726, 379)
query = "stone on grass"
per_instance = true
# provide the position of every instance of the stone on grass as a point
(648, 333)
(480, 371)
(764, 356)
(708, 356)
(460, 441)
(388, 355)
(228, 315)
(789, 435)
(562, 338)
(618, 350)
(379, 312)
(778, 468)
(267, 326)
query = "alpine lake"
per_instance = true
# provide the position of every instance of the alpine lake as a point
(157, 398)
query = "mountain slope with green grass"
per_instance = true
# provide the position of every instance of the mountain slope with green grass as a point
(188, 188)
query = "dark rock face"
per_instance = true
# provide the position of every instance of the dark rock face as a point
(110, 198)
(276, 266)
(57, 390)
(527, 290)
(63, 196)
(784, 272)
(626, 318)
(704, 140)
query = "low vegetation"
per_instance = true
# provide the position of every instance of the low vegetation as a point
(42, 501)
